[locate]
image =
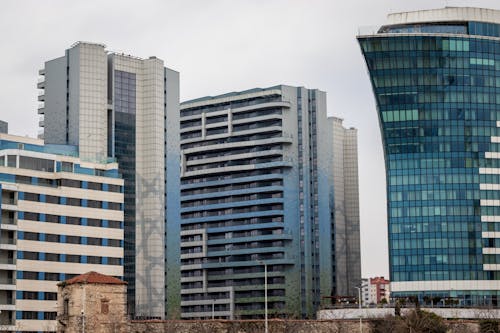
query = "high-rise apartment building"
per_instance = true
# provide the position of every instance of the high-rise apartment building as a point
(435, 76)
(60, 217)
(113, 105)
(257, 194)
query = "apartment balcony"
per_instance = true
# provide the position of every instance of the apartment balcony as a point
(8, 307)
(10, 247)
(7, 267)
(11, 207)
(41, 83)
(41, 96)
(41, 108)
(11, 327)
(41, 71)
(41, 123)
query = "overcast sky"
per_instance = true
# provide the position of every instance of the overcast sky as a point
(220, 46)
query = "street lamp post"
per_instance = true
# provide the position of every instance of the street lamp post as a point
(359, 304)
(265, 295)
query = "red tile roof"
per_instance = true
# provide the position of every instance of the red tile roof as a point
(93, 277)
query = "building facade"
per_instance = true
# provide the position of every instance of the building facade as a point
(257, 195)
(124, 107)
(379, 290)
(435, 74)
(60, 217)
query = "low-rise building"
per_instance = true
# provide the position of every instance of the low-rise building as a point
(379, 290)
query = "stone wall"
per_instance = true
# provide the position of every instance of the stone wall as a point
(275, 326)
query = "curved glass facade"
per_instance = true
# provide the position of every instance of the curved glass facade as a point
(438, 101)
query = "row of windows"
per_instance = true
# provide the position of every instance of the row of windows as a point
(433, 179)
(45, 165)
(185, 112)
(452, 210)
(274, 172)
(231, 187)
(406, 147)
(57, 257)
(67, 183)
(442, 113)
(69, 201)
(437, 97)
(34, 315)
(462, 81)
(435, 243)
(425, 195)
(233, 222)
(444, 274)
(430, 43)
(454, 229)
(37, 295)
(45, 276)
(233, 151)
(435, 163)
(437, 259)
(69, 239)
(69, 220)
(234, 198)
(233, 139)
(491, 258)
(230, 211)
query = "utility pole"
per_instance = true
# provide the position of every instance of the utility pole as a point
(359, 304)
(265, 295)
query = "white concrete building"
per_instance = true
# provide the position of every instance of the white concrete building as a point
(60, 217)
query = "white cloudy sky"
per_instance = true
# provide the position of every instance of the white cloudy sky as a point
(220, 46)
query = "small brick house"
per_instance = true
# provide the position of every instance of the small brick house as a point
(92, 302)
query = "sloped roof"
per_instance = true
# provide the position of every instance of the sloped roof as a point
(93, 277)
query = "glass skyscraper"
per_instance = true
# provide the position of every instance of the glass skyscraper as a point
(436, 78)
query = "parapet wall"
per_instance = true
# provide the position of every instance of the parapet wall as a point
(275, 326)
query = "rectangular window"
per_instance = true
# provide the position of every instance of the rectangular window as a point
(31, 236)
(23, 179)
(72, 258)
(73, 220)
(94, 204)
(30, 295)
(52, 218)
(51, 199)
(67, 166)
(52, 256)
(29, 315)
(94, 260)
(114, 242)
(11, 161)
(33, 163)
(52, 276)
(114, 224)
(73, 239)
(114, 206)
(31, 216)
(28, 255)
(71, 183)
(30, 275)
(49, 315)
(50, 296)
(113, 261)
(93, 222)
(94, 186)
(74, 202)
(52, 238)
(113, 188)
(31, 196)
(93, 241)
